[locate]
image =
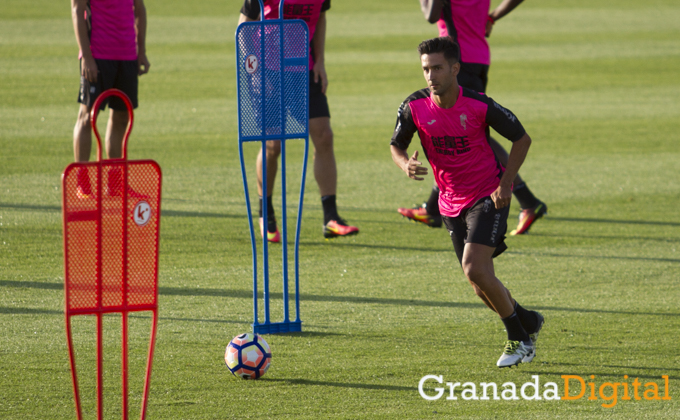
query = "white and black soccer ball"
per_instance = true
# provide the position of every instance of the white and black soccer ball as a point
(248, 356)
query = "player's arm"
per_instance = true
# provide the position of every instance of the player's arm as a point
(410, 165)
(249, 12)
(507, 125)
(88, 67)
(319, 48)
(503, 9)
(403, 134)
(243, 18)
(503, 194)
(140, 24)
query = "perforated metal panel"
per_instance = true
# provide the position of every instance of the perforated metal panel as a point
(111, 235)
(273, 79)
(272, 61)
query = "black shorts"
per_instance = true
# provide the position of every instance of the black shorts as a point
(119, 74)
(479, 224)
(473, 76)
(318, 103)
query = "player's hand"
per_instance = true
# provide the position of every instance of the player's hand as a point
(319, 71)
(414, 168)
(489, 27)
(143, 64)
(89, 69)
(502, 197)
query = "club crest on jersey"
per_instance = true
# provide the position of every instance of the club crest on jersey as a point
(463, 121)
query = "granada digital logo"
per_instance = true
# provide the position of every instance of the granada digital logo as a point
(573, 388)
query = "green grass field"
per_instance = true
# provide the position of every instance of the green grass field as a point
(594, 82)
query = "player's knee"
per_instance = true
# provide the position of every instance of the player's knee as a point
(83, 117)
(273, 149)
(471, 272)
(119, 118)
(323, 143)
(474, 271)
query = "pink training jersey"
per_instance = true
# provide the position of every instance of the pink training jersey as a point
(465, 22)
(455, 143)
(113, 35)
(307, 10)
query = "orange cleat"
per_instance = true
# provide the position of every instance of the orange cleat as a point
(527, 217)
(420, 214)
(335, 228)
(274, 237)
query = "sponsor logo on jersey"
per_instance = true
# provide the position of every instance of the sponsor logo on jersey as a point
(487, 205)
(507, 113)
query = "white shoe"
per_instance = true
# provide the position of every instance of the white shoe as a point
(516, 352)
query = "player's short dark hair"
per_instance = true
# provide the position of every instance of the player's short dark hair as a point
(442, 44)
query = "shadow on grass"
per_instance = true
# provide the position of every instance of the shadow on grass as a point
(340, 384)
(177, 213)
(662, 369)
(595, 257)
(167, 213)
(38, 311)
(170, 318)
(30, 207)
(336, 243)
(247, 294)
(28, 311)
(625, 222)
(607, 238)
(598, 375)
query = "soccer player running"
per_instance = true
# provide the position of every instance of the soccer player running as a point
(468, 22)
(111, 35)
(453, 124)
(314, 13)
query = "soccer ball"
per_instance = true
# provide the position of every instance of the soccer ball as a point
(248, 356)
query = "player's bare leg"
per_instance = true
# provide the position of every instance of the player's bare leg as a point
(115, 131)
(273, 153)
(326, 175)
(483, 297)
(325, 170)
(478, 267)
(82, 147)
(82, 135)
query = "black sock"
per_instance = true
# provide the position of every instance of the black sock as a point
(330, 209)
(432, 204)
(514, 328)
(527, 318)
(271, 218)
(525, 197)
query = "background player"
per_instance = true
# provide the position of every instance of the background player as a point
(453, 124)
(468, 22)
(111, 35)
(314, 13)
